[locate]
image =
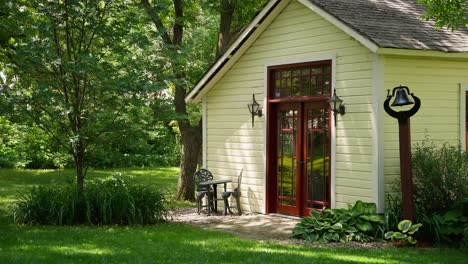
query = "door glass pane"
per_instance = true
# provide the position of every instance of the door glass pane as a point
(287, 138)
(318, 159)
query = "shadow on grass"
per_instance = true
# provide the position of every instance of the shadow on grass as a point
(175, 243)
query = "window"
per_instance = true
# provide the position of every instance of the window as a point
(302, 80)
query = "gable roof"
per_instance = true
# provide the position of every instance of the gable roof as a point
(377, 24)
(395, 24)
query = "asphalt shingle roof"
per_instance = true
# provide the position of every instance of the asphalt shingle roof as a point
(395, 24)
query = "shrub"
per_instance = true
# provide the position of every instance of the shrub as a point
(447, 228)
(440, 176)
(103, 202)
(357, 223)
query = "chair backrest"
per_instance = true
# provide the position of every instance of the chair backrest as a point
(239, 179)
(203, 175)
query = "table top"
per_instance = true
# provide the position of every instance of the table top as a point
(213, 182)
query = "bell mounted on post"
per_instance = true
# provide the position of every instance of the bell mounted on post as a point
(402, 97)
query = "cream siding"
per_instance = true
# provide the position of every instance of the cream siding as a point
(296, 33)
(437, 83)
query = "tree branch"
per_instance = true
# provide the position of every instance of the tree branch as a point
(157, 22)
(178, 27)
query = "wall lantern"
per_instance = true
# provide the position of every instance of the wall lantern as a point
(402, 98)
(336, 105)
(254, 108)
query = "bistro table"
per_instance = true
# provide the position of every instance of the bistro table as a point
(215, 183)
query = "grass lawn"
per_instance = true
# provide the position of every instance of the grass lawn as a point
(166, 243)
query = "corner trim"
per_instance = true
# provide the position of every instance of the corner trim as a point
(378, 87)
(204, 132)
(463, 102)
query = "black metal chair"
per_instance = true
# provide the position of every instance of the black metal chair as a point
(236, 193)
(202, 191)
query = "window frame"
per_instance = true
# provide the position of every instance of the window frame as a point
(310, 64)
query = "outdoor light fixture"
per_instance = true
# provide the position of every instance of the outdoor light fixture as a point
(254, 108)
(336, 105)
(402, 98)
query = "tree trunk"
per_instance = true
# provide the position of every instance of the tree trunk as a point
(79, 167)
(191, 146)
(224, 35)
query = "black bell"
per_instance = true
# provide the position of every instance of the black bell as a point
(402, 98)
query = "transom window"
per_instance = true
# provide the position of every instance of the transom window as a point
(302, 80)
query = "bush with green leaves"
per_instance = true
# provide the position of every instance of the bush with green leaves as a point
(447, 228)
(407, 232)
(109, 201)
(440, 176)
(360, 222)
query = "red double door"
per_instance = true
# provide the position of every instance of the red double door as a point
(299, 157)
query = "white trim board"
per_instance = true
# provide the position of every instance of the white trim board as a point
(304, 59)
(463, 90)
(204, 132)
(378, 97)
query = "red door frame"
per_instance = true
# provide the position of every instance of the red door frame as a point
(272, 134)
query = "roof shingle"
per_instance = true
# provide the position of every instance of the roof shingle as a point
(395, 24)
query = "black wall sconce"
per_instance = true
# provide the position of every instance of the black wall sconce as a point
(336, 105)
(254, 108)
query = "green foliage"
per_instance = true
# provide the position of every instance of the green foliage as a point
(407, 231)
(103, 202)
(27, 146)
(440, 176)
(78, 68)
(452, 14)
(393, 212)
(447, 228)
(357, 223)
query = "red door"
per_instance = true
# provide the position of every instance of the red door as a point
(298, 161)
(302, 162)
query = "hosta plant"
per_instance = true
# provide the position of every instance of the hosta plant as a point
(360, 222)
(407, 231)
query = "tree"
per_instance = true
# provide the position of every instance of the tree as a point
(450, 13)
(75, 71)
(185, 36)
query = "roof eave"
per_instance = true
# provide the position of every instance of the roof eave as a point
(422, 53)
(194, 95)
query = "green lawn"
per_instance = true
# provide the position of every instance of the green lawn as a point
(166, 243)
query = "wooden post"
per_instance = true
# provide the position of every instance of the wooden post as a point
(405, 168)
(405, 150)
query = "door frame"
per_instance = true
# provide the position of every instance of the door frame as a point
(268, 196)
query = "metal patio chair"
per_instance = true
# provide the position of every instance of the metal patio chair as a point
(202, 191)
(236, 193)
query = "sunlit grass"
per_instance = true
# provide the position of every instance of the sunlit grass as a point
(165, 243)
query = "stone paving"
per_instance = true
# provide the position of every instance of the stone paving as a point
(261, 227)
(248, 225)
